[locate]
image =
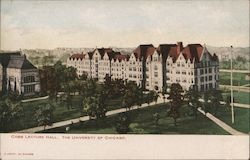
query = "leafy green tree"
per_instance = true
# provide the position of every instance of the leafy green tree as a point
(176, 100)
(206, 104)
(140, 97)
(130, 95)
(114, 88)
(193, 97)
(215, 100)
(122, 123)
(44, 115)
(150, 97)
(11, 110)
(94, 107)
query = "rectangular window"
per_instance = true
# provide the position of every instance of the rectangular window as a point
(156, 74)
(210, 70)
(29, 89)
(155, 67)
(201, 71)
(29, 79)
(202, 79)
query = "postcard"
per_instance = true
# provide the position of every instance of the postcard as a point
(114, 79)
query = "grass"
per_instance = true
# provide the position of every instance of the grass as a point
(239, 97)
(238, 79)
(143, 123)
(242, 116)
(61, 111)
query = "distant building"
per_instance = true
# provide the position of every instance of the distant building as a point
(153, 68)
(19, 74)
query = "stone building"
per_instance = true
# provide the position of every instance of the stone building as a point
(19, 75)
(153, 68)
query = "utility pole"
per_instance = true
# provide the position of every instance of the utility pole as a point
(232, 98)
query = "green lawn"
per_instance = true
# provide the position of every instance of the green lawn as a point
(238, 79)
(143, 123)
(61, 111)
(242, 116)
(239, 97)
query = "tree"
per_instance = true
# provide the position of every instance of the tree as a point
(206, 105)
(10, 111)
(70, 74)
(150, 97)
(176, 99)
(122, 123)
(130, 95)
(44, 115)
(140, 97)
(193, 97)
(155, 96)
(164, 92)
(94, 106)
(113, 88)
(215, 100)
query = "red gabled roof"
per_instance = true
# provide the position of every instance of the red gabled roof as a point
(77, 56)
(193, 51)
(102, 51)
(144, 51)
(121, 57)
(168, 50)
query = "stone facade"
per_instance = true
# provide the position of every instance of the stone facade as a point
(20, 75)
(153, 68)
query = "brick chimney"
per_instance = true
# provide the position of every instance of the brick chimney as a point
(179, 47)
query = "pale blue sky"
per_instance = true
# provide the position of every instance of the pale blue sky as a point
(51, 24)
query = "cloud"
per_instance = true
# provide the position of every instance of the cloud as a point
(49, 24)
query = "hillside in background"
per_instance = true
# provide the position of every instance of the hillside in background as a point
(40, 57)
(224, 52)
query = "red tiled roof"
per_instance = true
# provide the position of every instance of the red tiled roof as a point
(168, 50)
(191, 51)
(77, 56)
(121, 57)
(144, 51)
(102, 51)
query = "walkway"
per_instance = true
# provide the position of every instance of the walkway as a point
(240, 105)
(34, 99)
(236, 88)
(236, 71)
(85, 118)
(222, 124)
